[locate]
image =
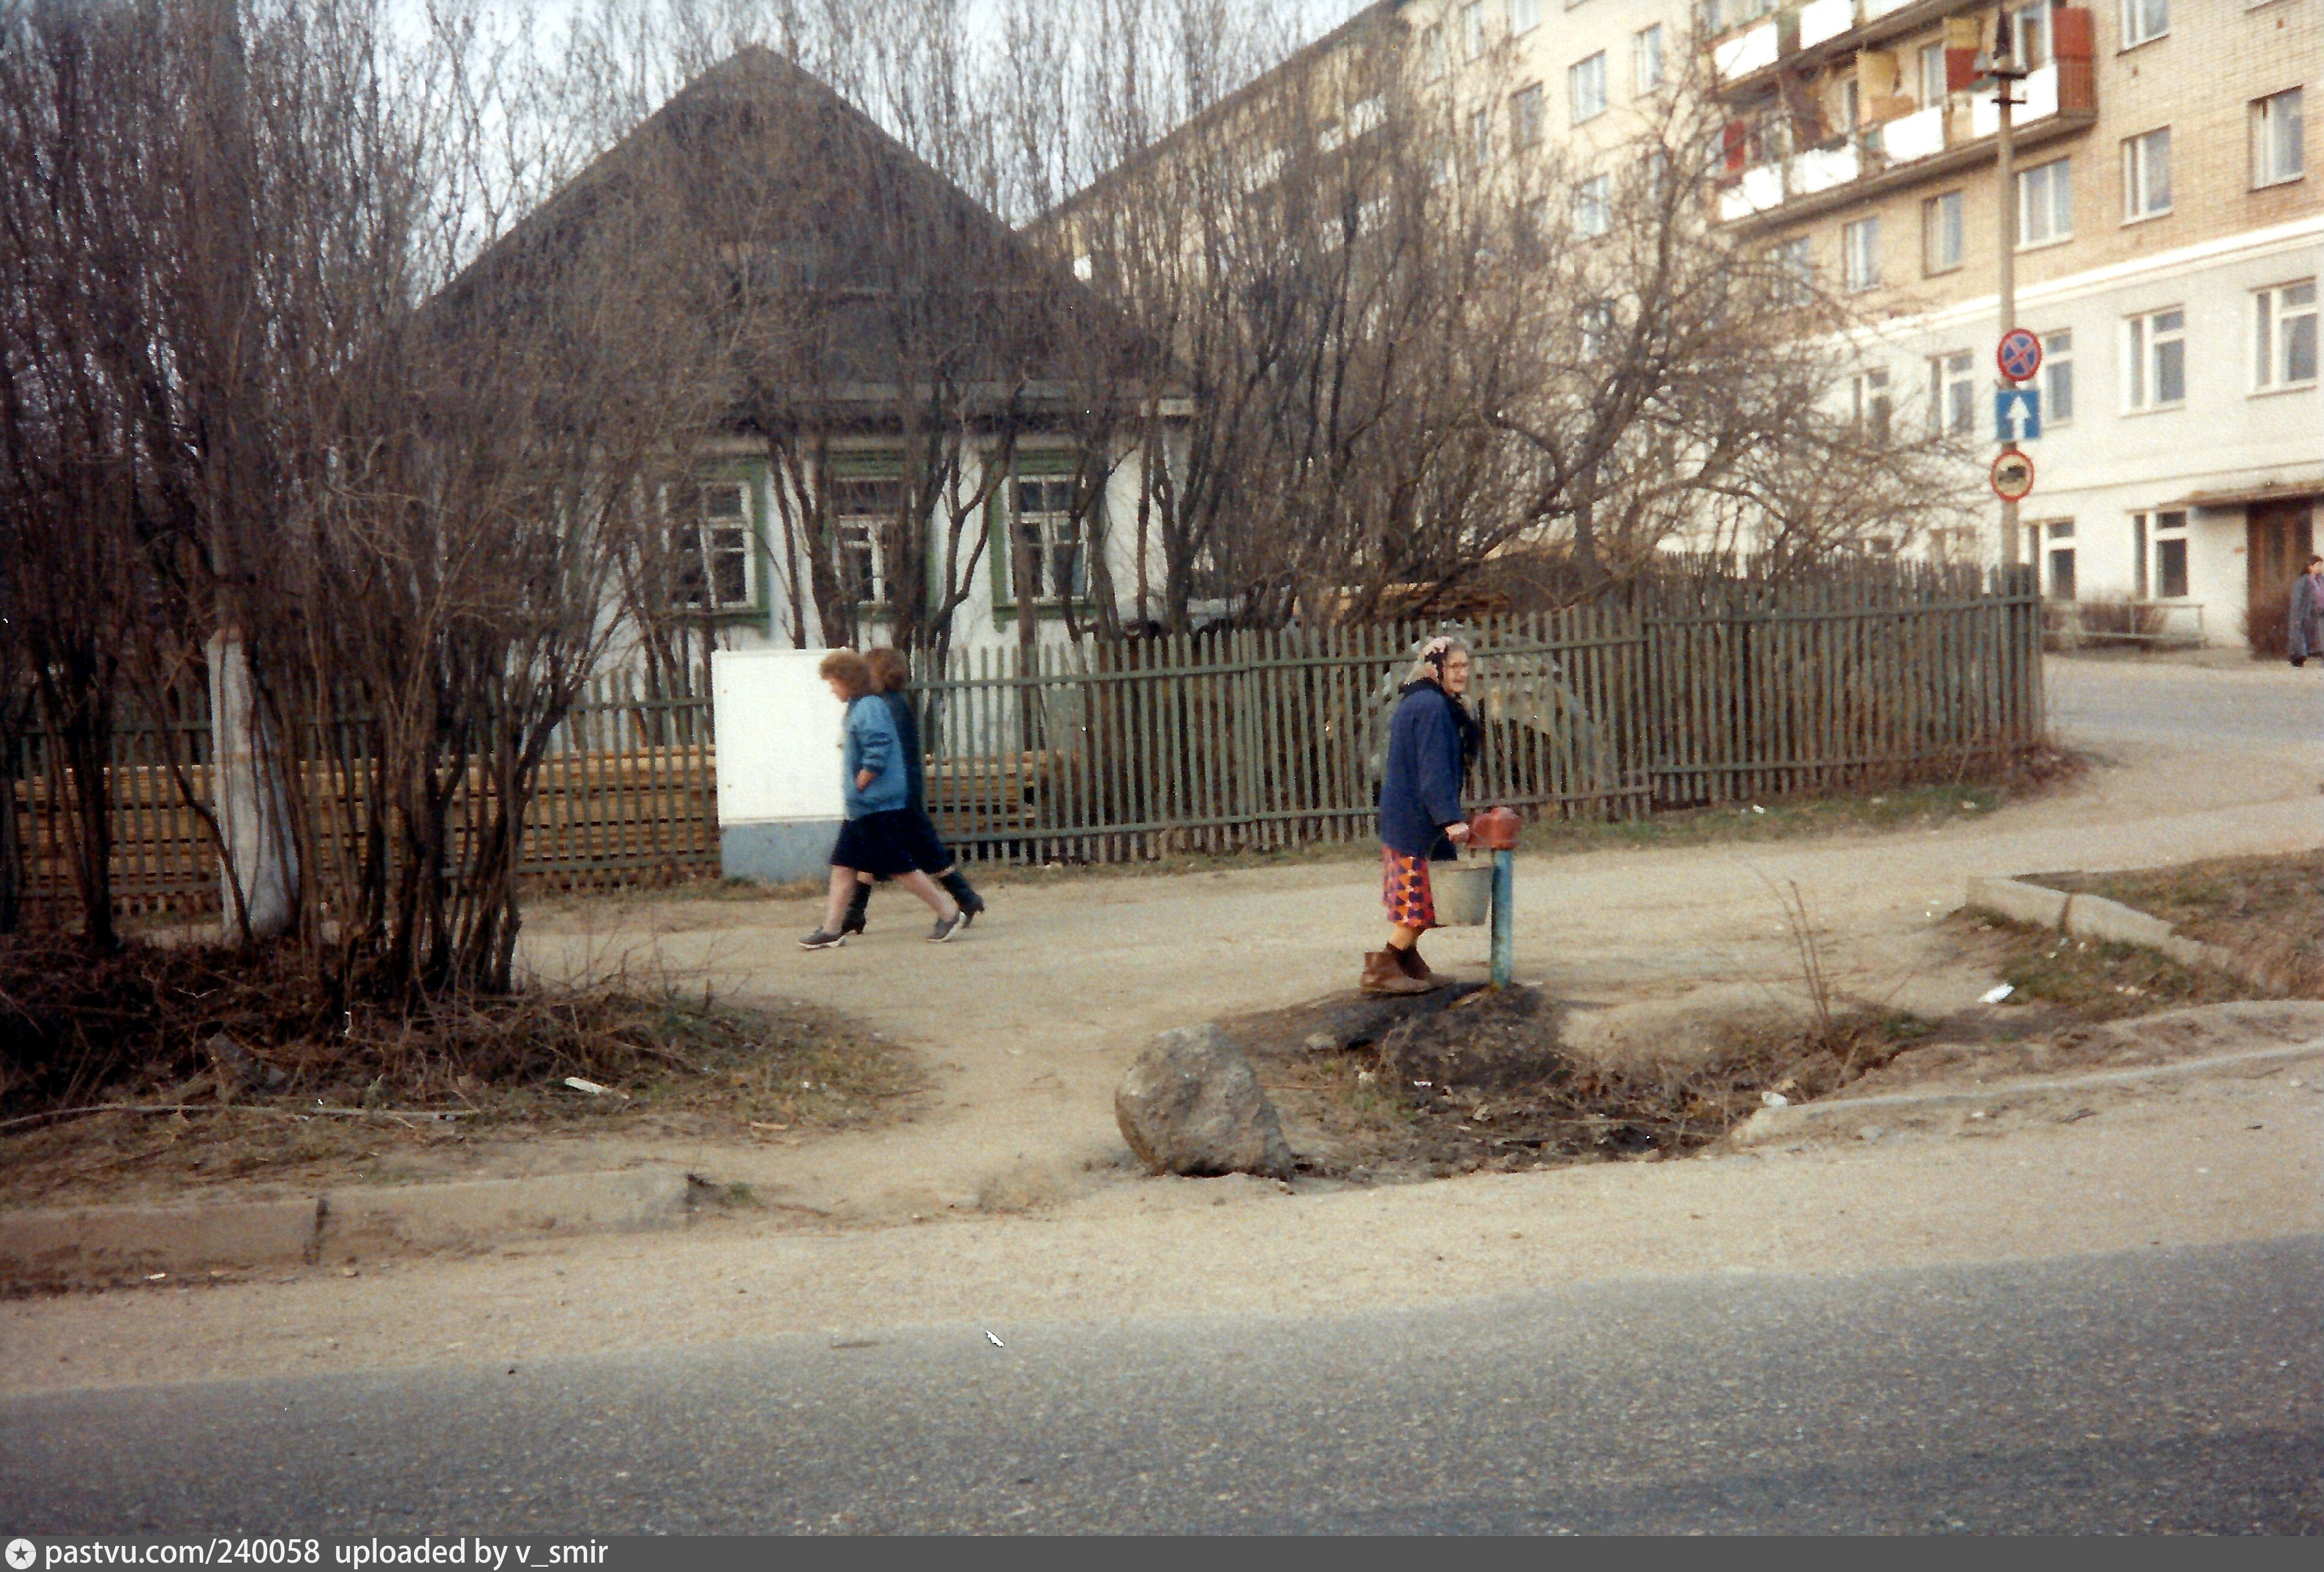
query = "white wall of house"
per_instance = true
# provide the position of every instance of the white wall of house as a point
(2111, 460)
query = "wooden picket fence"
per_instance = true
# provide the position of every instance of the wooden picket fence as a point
(1696, 692)
(627, 794)
(1685, 696)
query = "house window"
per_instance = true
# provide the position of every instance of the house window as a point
(2157, 360)
(1860, 253)
(1525, 16)
(1585, 86)
(1872, 405)
(2286, 315)
(2062, 559)
(2163, 536)
(1524, 116)
(1941, 233)
(1473, 28)
(863, 515)
(1646, 60)
(1794, 270)
(1593, 205)
(1952, 391)
(717, 568)
(2277, 129)
(1933, 74)
(2030, 35)
(2145, 19)
(2147, 175)
(2057, 377)
(1049, 541)
(2045, 203)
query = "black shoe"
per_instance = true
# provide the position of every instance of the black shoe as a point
(964, 895)
(823, 939)
(947, 926)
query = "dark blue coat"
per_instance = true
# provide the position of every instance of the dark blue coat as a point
(908, 737)
(1420, 793)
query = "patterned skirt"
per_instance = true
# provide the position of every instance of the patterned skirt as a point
(1404, 889)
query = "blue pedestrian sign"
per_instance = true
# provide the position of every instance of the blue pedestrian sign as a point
(2017, 413)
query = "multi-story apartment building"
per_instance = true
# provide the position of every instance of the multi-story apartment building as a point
(2169, 226)
(2169, 223)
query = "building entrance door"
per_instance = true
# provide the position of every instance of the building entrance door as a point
(2280, 536)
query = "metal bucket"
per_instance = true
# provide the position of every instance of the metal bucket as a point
(1463, 892)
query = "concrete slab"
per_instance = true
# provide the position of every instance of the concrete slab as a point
(61, 1244)
(2018, 901)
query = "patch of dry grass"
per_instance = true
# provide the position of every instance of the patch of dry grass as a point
(2269, 910)
(251, 1075)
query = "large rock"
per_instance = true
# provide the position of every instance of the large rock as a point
(1191, 1104)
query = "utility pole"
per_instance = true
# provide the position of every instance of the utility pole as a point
(2006, 75)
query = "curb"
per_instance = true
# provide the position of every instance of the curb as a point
(69, 1243)
(2096, 917)
(1846, 1114)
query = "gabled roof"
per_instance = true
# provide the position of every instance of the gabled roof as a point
(841, 262)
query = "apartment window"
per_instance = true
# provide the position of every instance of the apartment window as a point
(1481, 135)
(2146, 174)
(2277, 127)
(2045, 203)
(714, 566)
(1585, 84)
(1597, 321)
(2060, 532)
(1049, 541)
(1796, 271)
(1933, 74)
(1524, 116)
(2157, 360)
(2057, 377)
(2029, 28)
(1432, 53)
(2145, 19)
(2286, 344)
(1941, 233)
(1851, 105)
(863, 514)
(1525, 16)
(1952, 392)
(1646, 60)
(1593, 205)
(1860, 253)
(1873, 407)
(1473, 28)
(2160, 541)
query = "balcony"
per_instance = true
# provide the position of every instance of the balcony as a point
(1800, 37)
(2060, 98)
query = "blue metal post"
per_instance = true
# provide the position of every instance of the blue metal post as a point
(1504, 888)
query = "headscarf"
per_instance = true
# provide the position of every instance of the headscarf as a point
(1428, 671)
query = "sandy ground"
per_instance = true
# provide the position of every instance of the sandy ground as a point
(1027, 1022)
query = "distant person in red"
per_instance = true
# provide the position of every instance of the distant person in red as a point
(1430, 740)
(2307, 614)
(890, 675)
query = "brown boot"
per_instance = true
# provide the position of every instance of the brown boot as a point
(1414, 967)
(1384, 974)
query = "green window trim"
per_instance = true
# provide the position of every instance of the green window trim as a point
(1034, 463)
(751, 474)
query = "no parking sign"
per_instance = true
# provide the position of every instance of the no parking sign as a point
(2020, 354)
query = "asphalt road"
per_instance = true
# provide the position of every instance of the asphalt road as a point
(2095, 699)
(2172, 1390)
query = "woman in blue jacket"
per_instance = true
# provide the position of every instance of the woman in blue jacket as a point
(876, 838)
(1430, 742)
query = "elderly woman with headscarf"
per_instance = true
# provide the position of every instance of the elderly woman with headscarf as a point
(1430, 742)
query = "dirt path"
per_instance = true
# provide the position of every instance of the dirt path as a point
(1029, 1020)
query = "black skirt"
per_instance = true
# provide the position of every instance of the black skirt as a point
(927, 847)
(878, 843)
